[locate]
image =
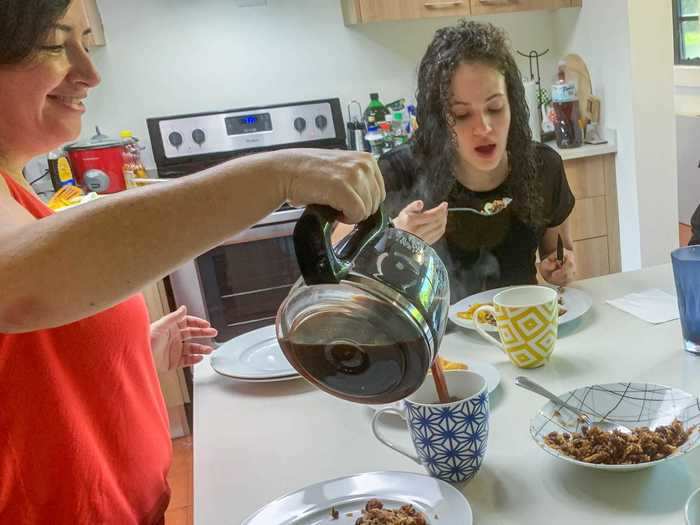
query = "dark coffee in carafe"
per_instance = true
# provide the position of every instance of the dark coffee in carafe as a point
(357, 359)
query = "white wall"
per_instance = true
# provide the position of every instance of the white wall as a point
(627, 45)
(687, 92)
(168, 57)
(651, 30)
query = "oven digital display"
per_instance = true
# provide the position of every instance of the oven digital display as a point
(242, 124)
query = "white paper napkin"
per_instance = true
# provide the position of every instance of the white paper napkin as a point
(653, 306)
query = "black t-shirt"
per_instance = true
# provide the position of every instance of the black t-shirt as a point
(695, 225)
(481, 252)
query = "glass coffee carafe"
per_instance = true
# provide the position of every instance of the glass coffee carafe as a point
(365, 321)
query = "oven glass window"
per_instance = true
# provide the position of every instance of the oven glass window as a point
(245, 283)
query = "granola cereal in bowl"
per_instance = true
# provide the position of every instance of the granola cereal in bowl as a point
(664, 424)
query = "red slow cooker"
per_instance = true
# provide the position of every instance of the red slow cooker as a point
(98, 164)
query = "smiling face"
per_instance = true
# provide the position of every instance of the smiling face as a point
(479, 103)
(41, 104)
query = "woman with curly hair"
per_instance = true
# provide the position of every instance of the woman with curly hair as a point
(473, 147)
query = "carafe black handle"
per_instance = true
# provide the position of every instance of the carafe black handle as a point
(318, 261)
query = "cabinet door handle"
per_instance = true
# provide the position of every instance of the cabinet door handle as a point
(443, 5)
(498, 2)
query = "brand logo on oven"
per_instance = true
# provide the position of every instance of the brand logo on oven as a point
(253, 140)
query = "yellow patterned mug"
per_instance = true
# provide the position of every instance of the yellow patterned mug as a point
(527, 318)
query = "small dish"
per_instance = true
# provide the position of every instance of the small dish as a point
(629, 404)
(254, 356)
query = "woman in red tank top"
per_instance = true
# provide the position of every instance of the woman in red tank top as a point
(83, 427)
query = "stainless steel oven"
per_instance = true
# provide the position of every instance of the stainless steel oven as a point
(239, 285)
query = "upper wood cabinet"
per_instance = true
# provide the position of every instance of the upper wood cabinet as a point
(490, 7)
(364, 11)
(94, 20)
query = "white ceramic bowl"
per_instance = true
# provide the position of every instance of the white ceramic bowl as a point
(629, 404)
(692, 509)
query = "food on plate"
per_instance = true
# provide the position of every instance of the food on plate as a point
(451, 365)
(496, 206)
(487, 317)
(376, 514)
(484, 317)
(642, 445)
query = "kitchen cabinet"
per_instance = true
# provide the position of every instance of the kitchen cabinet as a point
(365, 11)
(595, 225)
(172, 383)
(93, 19)
(492, 7)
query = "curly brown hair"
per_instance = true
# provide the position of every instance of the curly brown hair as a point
(435, 145)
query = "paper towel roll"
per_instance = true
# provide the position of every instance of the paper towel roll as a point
(534, 108)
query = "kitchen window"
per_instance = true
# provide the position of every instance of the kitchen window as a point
(686, 32)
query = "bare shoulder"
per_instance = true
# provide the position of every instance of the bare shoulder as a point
(11, 212)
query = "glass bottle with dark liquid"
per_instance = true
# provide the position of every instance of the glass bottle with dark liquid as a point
(365, 323)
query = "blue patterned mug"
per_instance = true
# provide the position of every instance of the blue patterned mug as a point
(450, 439)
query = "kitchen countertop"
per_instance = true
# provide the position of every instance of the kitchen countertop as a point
(588, 150)
(256, 442)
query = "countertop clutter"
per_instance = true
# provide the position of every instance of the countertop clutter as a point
(257, 442)
(589, 150)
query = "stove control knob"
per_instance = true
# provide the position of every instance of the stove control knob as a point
(175, 139)
(299, 124)
(321, 122)
(199, 136)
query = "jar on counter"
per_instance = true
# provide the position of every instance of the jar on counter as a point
(567, 125)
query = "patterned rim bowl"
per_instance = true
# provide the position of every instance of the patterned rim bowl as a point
(629, 404)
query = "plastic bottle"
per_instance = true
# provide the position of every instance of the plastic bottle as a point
(375, 140)
(397, 128)
(133, 167)
(567, 126)
(375, 109)
(387, 136)
(412, 125)
(59, 170)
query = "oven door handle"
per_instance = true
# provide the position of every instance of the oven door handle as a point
(260, 233)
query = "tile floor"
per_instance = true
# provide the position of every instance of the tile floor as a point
(180, 479)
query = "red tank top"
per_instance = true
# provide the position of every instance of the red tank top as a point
(83, 426)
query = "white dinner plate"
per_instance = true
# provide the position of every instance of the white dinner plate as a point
(253, 356)
(486, 370)
(576, 302)
(440, 502)
(629, 404)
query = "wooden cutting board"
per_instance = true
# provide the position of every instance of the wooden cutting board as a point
(576, 71)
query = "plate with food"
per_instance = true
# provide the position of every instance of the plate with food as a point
(255, 356)
(661, 423)
(573, 304)
(486, 370)
(373, 498)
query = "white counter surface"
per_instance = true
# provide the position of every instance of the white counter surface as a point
(253, 443)
(589, 150)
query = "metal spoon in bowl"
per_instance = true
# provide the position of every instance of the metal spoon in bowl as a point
(605, 426)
